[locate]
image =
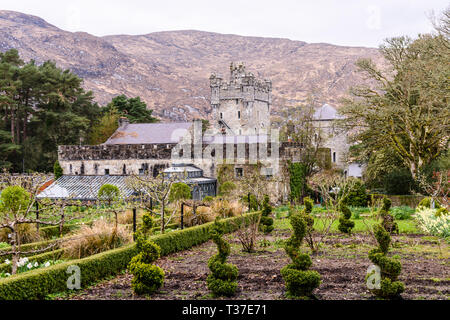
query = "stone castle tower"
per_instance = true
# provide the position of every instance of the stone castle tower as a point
(242, 105)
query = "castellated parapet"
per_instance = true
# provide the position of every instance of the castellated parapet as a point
(242, 105)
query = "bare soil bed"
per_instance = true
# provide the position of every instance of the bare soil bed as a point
(342, 264)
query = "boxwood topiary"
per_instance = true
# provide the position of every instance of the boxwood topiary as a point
(300, 282)
(345, 224)
(266, 223)
(147, 278)
(222, 279)
(390, 268)
(388, 222)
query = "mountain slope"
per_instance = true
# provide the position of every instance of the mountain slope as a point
(170, 70)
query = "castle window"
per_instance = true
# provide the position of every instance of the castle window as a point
(238, 172)
(237, 101)
(124, 169)
(221, 115)
(239, 114)
(82, 169)
(70, 168)
(106, 172)
(334, 156)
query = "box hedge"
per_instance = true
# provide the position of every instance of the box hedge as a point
(37, 284)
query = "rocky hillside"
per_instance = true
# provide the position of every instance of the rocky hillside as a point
(170, 70)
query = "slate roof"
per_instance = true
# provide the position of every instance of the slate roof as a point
(326, 112)
(149, 133)
(83, 187)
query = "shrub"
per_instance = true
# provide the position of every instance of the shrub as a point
(253, 206)
(390, 268)
(300, 282)
(266, 223)
(357, 196)
(399, 182)
(14, 199)
(178, 191)
(222, 279)
(108, 193)
(208, 199)
(297, 180)
(388, 222)
(345, 224)
(402, 212)
(57, 170)
(227, 189)
(99, 237)
(432, 223)
(147, 278)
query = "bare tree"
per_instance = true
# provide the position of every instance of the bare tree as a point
(156, 188)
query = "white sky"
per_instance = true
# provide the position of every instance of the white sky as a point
(342, 22)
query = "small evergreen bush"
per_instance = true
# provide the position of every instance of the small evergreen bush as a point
(222, 279)
(147, 278)
(300, 282)
(357, 196)
(57, 170)
(390, 268)
(266, 223)
(345, 224)
(253, 202)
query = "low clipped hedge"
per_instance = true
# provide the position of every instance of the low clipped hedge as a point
(37, 284)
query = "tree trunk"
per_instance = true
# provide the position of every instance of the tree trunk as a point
(162, 216)
(15, 246)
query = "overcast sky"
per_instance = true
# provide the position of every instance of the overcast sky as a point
(342, 22)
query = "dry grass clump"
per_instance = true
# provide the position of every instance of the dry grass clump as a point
(99, 237)
(125, 217)
(227, 209)
(222, 208)
(27, 233)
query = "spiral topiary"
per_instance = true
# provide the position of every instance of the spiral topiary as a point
(266, 223)
(388, 222)
(222, 279)
(345, 224)
(390, 268)
(147, 278)
(300, 282)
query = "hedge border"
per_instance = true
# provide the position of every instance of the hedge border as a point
(39, 283)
